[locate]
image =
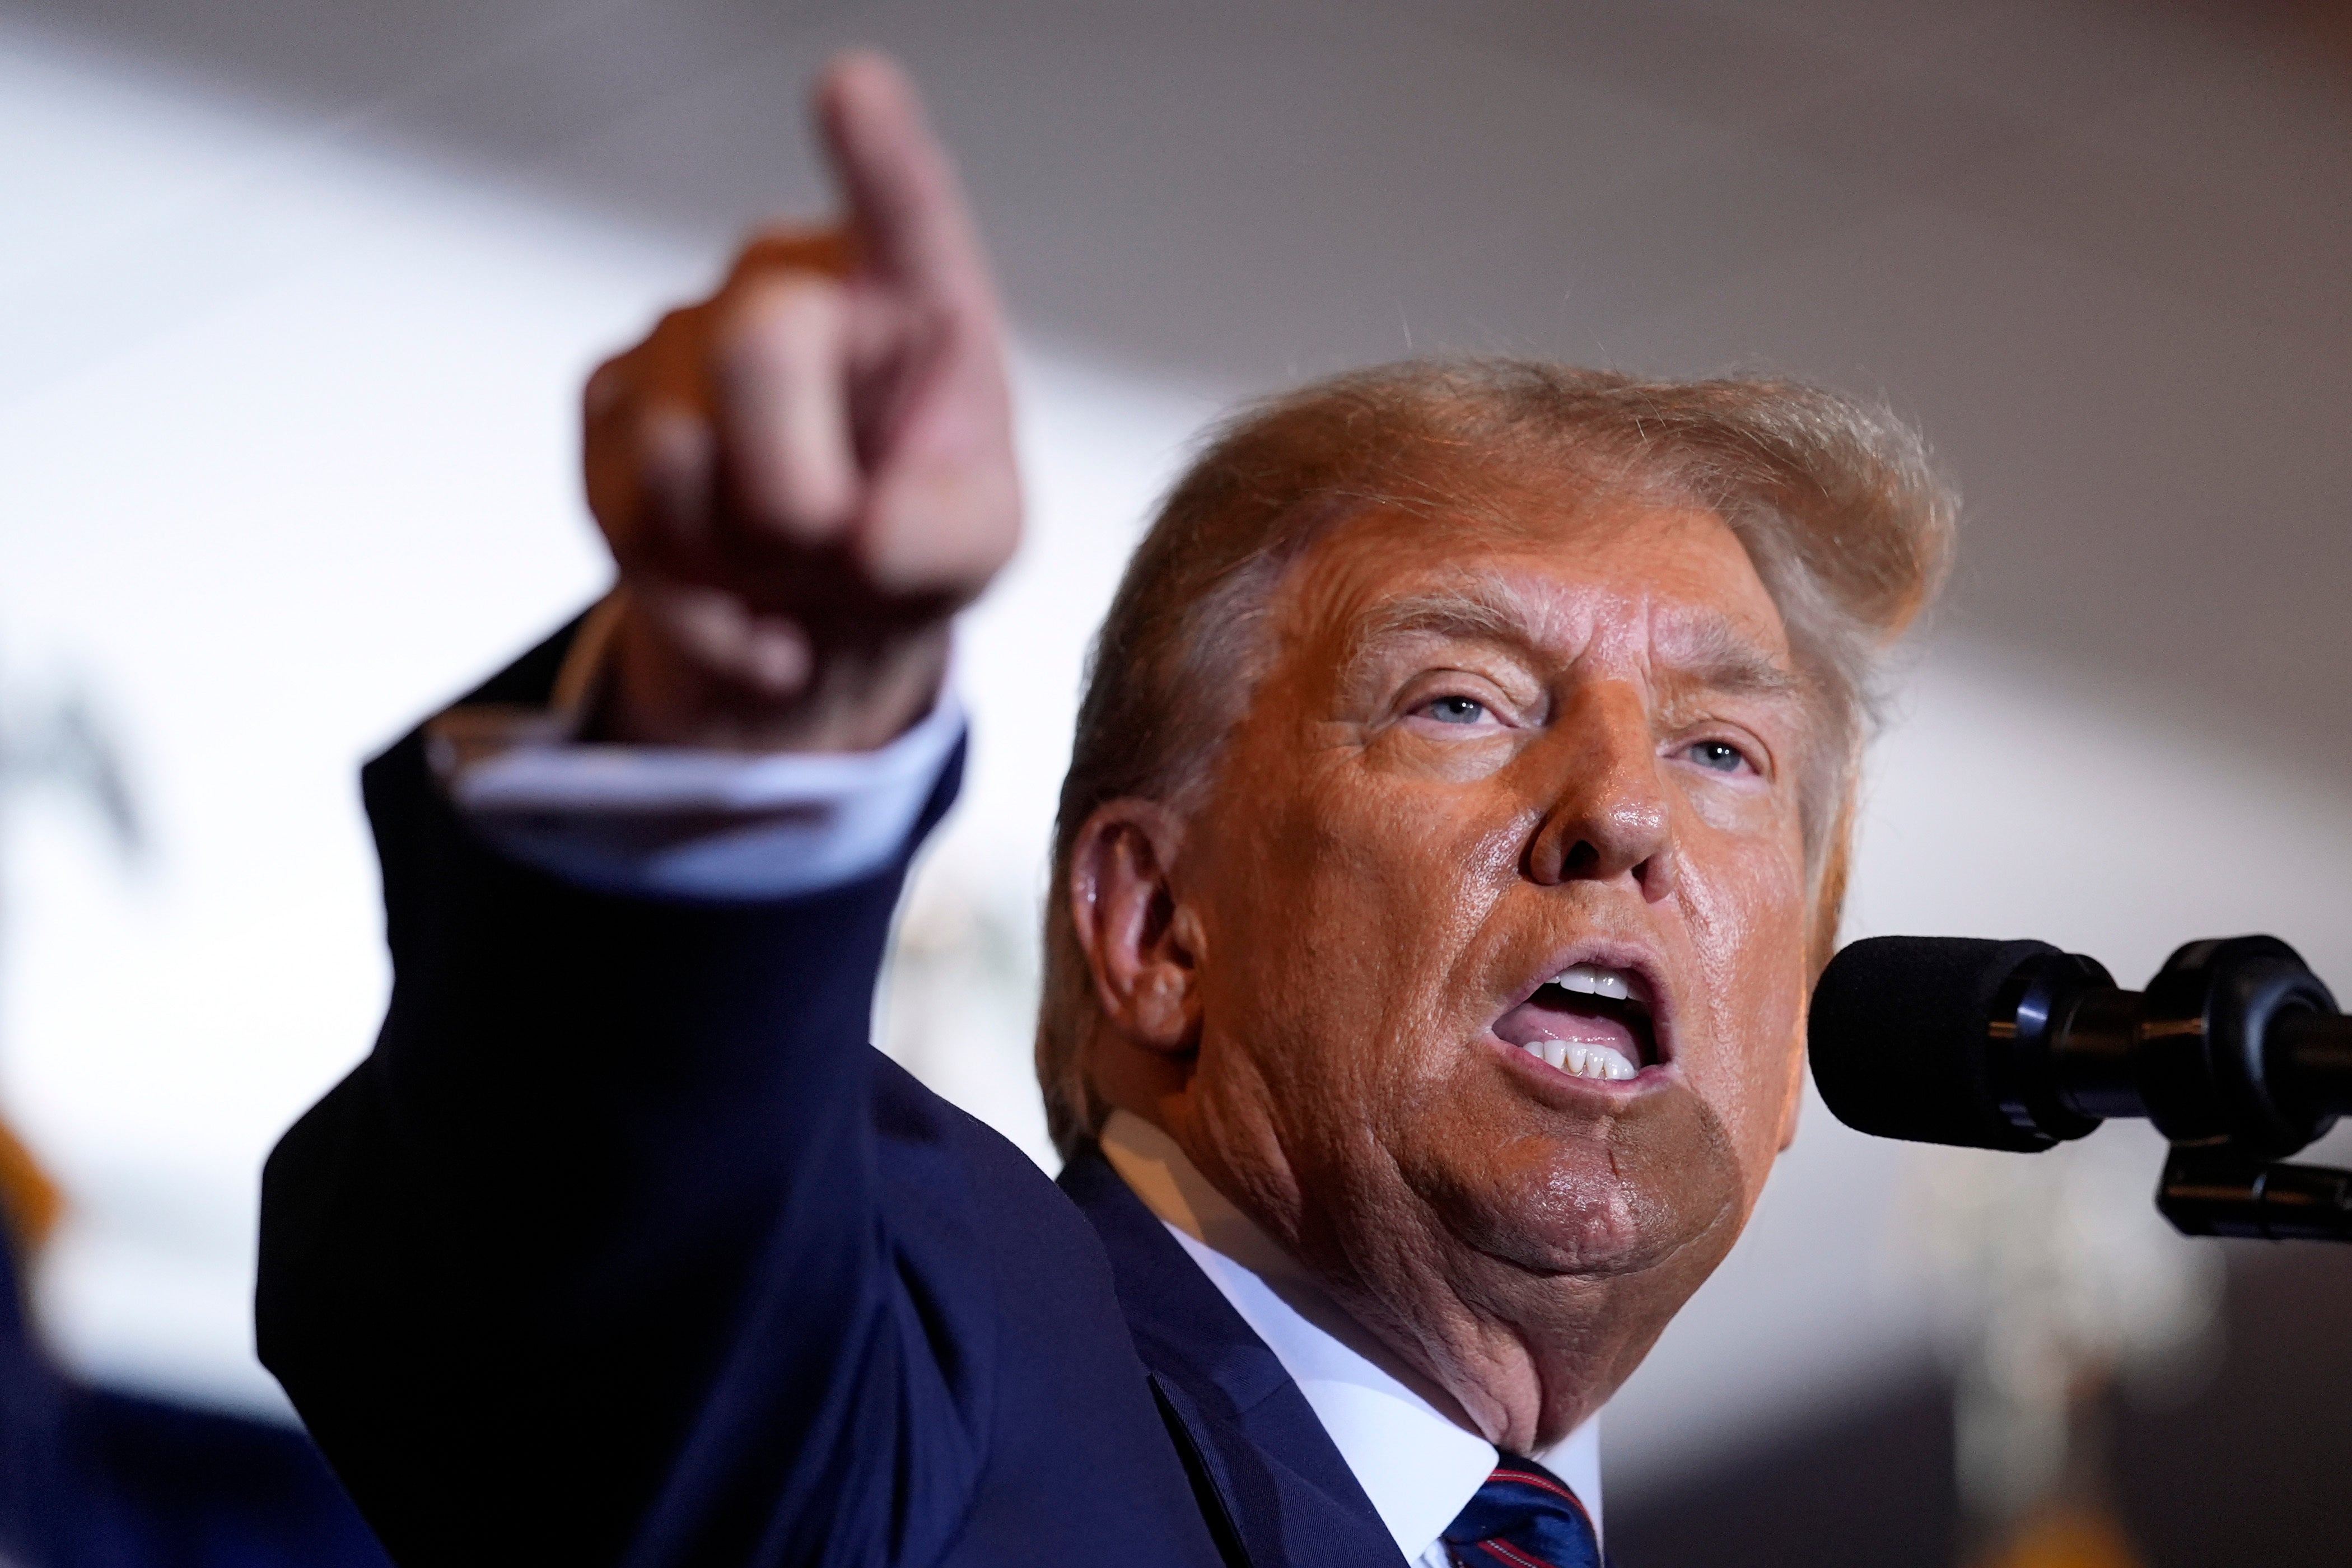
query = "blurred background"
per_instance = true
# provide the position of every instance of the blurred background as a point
(296, 296)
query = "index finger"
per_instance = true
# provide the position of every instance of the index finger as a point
(901, 189)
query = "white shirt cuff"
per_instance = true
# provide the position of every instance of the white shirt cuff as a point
(675, 821)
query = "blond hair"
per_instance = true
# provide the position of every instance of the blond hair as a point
(1846, 521)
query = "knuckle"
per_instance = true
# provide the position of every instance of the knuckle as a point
(672, 450)
(783, 318)
(609, 386)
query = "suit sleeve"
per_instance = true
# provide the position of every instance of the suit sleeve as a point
(587, 1262)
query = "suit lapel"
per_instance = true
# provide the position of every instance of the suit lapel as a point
(1258, 1453)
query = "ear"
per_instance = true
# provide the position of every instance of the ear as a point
(1143, 944)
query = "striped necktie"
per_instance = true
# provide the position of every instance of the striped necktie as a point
(1523, 1517)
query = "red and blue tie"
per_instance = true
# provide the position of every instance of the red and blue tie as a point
(1523, 1517)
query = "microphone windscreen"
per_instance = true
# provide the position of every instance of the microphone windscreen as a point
(1898, 1041)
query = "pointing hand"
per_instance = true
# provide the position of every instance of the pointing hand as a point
(804, 476)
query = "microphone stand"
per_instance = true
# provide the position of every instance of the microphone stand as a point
(2217, 1190)
(2238, 1054)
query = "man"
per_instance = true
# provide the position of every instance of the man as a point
(1455, 820)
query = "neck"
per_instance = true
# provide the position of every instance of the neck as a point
(1172, 1186)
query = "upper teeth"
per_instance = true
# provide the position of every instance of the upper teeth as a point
(1594, 979)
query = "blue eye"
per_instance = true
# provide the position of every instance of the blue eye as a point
(1720, 755)
(1458, 710)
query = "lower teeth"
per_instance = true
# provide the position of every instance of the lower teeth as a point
(1583, 1061)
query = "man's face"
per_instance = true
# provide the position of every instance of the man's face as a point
(1551, 736)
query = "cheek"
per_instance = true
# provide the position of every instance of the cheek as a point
(1746, 918)
(1345, 911)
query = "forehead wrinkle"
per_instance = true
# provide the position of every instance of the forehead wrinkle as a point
(1691, 648)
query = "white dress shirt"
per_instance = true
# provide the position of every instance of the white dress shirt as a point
(724, 825)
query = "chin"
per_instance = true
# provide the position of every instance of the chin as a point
(1582, 1217)
(1599, 1205)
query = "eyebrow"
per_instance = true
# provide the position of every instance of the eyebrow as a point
(1483, 612)
(1711, 653)
(1720, 659)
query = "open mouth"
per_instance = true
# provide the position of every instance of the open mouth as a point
(1588, 1021)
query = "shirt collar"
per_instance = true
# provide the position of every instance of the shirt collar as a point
(1405, 1439)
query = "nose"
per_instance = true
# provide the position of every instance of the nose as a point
(1609, 818)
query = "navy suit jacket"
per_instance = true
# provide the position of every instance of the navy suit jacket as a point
(623, 1247)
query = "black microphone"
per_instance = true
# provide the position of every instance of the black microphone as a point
(2235, 1044)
